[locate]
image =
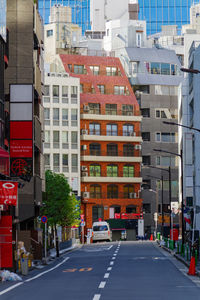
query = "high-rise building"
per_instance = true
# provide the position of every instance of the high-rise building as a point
(80, 11)
(165, 12)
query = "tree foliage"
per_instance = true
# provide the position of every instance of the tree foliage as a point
(60, 205)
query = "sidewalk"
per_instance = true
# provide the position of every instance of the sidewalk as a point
(180, 258)
(39, 265)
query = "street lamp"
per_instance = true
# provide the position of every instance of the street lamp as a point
(161, 201)
(182, 205)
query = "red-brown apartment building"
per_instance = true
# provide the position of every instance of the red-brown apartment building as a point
(110, 140)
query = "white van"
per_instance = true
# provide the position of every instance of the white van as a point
(101, 231)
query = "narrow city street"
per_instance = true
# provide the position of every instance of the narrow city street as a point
(106, 271)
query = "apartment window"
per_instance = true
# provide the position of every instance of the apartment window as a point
(166, 161)
(64, 94)
(55, 90)
(112, 171)
(112, 191)
(49, 32)
(95, 191)
(94, 108)
(56, 162)
(74, 140)
(56, 139)
(74, 117)
(147, 208)
(112, 150)
(101, 88)
(46, 97)
(74, 161)
(81, 88)
(111, 129)
(95, 149)
(146, 160)
(165, 69)
(47, 139)
(65, 167)
(95, 170)
(47, 161)
(128, 130)
(56, 116)
(119, 90)
(146, 136)
(165, 137)
(97, 213)
(65, 117)
(145, 112)
(95, 128)
(128, 150)
(134, 67)
(127, 110)
(95, 70)
(174, 186)
(74, 92)
(111, 109)
(79, 69)
(70, 67)
(65, 139)
(111, 71)
(128, 191)
(155, 68)
(128, 171)
(160, 113)
(47, 116)
(138, 39)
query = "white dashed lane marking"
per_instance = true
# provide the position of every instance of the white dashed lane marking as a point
(109, 269)
(106, 275)
(102, 284)
(112, 263)
(97, 297)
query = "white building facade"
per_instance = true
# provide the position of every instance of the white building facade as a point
(61, 102)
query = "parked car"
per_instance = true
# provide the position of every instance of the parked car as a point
(101, 232)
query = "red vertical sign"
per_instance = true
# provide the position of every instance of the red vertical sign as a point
(6, 260)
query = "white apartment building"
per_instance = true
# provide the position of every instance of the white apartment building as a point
(61, 102)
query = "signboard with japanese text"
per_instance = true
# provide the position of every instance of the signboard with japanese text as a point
(21, 166)
(8, 192)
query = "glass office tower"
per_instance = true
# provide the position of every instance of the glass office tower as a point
(164, 12)
(80, 11)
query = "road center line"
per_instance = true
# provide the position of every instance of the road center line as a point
(109, 269)
(102, 284)
(106, 275)
(97, 297)
(112, 263)
(39, 275)
(113, 258)
(115, 254)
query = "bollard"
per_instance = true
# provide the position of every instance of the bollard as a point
(177, 248)
(196, 254)
(187, 252)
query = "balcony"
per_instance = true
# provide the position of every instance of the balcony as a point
(106, 177)
(111, 115)
(111, 135)
(114, 156)
(109, 195)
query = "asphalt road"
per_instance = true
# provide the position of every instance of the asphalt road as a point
(108, 271)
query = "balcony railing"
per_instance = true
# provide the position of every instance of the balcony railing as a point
(87, 110)
(124, 174)
(111, 195)
(111, 132)
(134, 153)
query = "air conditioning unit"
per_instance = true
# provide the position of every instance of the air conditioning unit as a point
(138, 147)
(84, 168)
(84, 147)
(133, 195)
(132, 133)
(86, 108)
(86, 195)
(84, 174)
(84, 131)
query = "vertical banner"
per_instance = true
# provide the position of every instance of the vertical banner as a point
(8, 193)
(6, 260)
(21, 129)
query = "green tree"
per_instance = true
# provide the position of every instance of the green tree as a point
(59, 204)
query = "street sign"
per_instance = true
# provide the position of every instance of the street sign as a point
(44, 219)
(82, 216)
(82, 224)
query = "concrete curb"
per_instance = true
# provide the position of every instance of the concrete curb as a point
(179, 258)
